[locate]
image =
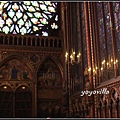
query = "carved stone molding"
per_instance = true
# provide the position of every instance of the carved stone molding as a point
(15, 84)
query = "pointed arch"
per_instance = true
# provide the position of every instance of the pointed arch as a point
(6, 101)
(50, 57)
(23, 86)
(23, 101)
(50, 68)
(15, 68)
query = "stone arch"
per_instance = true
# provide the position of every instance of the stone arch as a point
(105, 99)
(22, 69)
(23, 101)
(112, 94)
(23, 85)
(5, 86)
(98, 99)
(56, 66)
(55, 61)
(6, 101)
(49, 75)
(111, 90)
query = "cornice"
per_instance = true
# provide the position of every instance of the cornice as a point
(30, 49)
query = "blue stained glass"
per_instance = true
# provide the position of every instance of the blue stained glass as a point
(116, 11)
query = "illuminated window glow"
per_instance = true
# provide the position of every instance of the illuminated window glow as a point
(28, 17)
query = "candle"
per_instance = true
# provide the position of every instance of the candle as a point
(117, 63)
(103, 63)
(107, 65)
(78, 57)
(111, 62)
(110, 23)
(89, 70)
(71, 58)
(114, 64)
(66, 56)
(101, 71)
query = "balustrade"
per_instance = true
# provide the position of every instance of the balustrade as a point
(39, 41)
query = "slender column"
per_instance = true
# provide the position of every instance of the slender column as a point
(93, 50)
(116, 111)
(97, 43)
(80, 36)
(22, 40)
(13, 104)
(35, 41)
(68, 67)
(98, 112)
(36, 110)
(64, 51)
(88, 37)
(71, 42)
(109, 111)
(66, 46)
(92, 41)
(88, 42)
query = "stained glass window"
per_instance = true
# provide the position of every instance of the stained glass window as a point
(101, 30)
(116, 11)
(106, 29)
(28, 17)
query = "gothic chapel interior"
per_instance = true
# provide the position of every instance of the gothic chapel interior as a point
(59, 59)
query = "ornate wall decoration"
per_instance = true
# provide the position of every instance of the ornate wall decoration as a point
(14, 85)
(51, 109)
(15, 70)
(49, 74)
(34, 58)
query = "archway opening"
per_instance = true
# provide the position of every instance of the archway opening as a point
(49, 85)
(6, 102)
(23, 102)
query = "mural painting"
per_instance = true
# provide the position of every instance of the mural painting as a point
(49, 74)
(14, 69)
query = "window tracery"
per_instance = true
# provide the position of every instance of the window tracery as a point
(28, 17)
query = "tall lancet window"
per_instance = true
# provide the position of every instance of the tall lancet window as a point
(116, 12)
(108, 52)
(29, 17)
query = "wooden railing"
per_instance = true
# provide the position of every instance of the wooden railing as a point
(29, 40)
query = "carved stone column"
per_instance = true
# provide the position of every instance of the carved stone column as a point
(98, 112)
(109, 107)
(115, 109)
